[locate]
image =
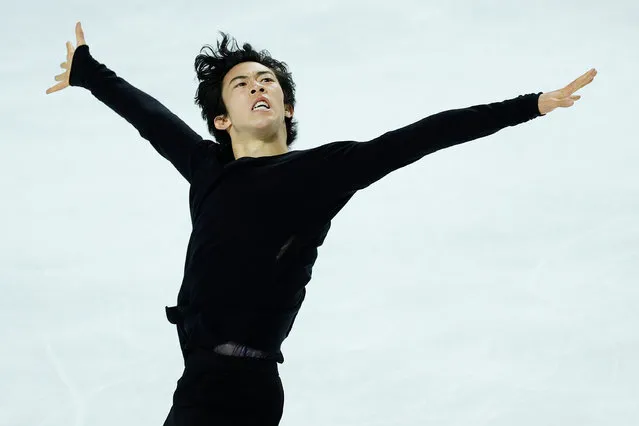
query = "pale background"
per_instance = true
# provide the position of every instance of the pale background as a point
(493, 283)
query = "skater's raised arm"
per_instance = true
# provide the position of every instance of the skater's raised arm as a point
(166, 132)
(355, 165)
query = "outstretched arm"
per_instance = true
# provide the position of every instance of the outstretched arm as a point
(166, 132)
(355, 165)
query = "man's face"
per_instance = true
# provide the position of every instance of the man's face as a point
(242, 87)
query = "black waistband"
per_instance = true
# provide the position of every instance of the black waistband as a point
(201, 359)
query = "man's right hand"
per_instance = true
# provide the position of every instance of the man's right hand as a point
(64, 77)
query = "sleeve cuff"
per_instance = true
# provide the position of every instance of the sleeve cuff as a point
(80, 65)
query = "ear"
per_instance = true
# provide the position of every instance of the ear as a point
(288, 111)
(222, 122)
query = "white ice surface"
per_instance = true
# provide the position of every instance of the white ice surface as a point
(494, 283)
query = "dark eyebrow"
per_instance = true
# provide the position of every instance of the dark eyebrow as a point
(259, 73)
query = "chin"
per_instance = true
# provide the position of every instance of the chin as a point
(265, 129)
(266, 123)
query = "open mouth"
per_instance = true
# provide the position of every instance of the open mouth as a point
(261, 106)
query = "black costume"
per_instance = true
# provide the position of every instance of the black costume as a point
(258, 222)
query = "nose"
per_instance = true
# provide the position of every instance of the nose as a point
(257, 85)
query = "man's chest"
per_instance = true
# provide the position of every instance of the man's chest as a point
(255, 198)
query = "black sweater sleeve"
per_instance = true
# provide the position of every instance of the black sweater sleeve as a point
(167, 133)
(351, 165)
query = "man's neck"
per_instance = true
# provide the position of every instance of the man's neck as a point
(258, 148)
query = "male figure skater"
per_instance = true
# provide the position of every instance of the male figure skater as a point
(260, 211)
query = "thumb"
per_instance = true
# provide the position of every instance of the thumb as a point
(79, 34)
(566, 102)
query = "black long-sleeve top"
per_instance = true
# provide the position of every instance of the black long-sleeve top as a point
(258, 222)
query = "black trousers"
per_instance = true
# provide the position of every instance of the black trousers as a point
(227, 391)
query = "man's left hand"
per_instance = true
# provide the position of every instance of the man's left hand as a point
(564, 97)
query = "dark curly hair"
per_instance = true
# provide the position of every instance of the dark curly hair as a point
(211, 69)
